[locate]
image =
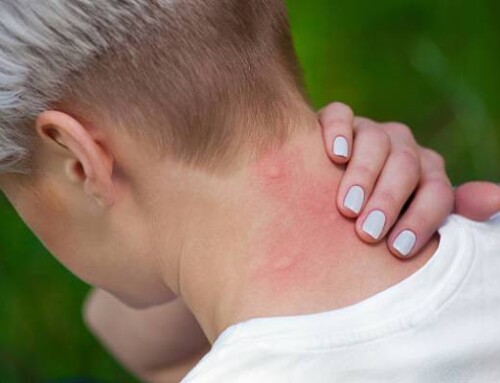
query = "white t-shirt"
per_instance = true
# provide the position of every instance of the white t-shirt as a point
(442, 324)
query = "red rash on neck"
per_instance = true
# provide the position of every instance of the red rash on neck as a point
(295, 244)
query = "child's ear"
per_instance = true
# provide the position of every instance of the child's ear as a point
(83, 159)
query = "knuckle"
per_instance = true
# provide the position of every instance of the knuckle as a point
(363, 123)
(364, 172)
(409, 164)
(399, 129)
(378, 137)
(434, 157)
(443, 192)
(407, 159)
(439, 185)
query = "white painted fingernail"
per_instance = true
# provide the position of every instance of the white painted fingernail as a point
(354, 199)
(405, 242)
(374, 224)
(341, 147)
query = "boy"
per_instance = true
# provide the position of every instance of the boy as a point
(174, 154)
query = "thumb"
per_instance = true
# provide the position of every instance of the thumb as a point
(477, 200)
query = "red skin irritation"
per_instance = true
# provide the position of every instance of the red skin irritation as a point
(294, 246)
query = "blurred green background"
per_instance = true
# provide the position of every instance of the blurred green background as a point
(431, 64)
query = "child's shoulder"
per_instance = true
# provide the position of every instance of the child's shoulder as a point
(482, 237)
(459, 223)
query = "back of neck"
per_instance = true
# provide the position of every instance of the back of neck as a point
(289, 252)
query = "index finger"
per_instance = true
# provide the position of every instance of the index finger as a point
(337, 121)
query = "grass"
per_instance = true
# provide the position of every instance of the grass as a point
(429, 64)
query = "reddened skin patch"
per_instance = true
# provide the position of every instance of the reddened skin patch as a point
(293, 245)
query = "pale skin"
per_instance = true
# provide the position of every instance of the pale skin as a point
(149, 229)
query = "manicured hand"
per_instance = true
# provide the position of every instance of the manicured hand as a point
(394, 188)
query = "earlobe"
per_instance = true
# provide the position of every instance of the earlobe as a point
(84, 160)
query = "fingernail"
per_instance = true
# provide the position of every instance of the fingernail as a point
(341, 147)
(374, 224)
(405, 242)
(354, 199)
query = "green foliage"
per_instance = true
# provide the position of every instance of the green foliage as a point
(42, 335)
(430, 64)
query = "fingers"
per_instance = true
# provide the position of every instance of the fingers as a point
(396, 184)
(386, 168)
(477, 200)
(431, 206)
(337, 122)
(370, 154)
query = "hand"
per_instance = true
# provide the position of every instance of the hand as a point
(158, 344)
(387, 172)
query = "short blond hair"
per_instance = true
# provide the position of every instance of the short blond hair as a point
(199, 78)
